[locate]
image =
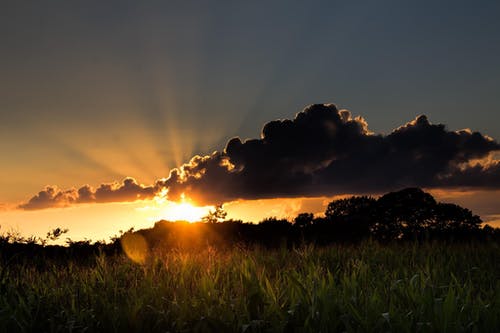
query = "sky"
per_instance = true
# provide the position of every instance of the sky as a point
(93, 92)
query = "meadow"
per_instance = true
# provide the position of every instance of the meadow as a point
(366, 287)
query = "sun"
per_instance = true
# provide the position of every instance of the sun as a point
(184, 211)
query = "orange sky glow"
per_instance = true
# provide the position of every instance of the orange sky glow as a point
(100, 111)
(104, 220)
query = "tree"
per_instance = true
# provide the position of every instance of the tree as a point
(216, 215)
(353, 207)
(406, 213)
(303, 220)
(451, 217)
(351, 218)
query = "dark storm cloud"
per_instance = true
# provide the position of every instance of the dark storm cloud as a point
(323, 151)
(484, 175)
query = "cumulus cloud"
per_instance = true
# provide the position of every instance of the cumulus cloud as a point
(323, 151)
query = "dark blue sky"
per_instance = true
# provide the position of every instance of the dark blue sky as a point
(95, 91)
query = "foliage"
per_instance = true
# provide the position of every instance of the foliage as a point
(407, 214)
(400, 263)
(216, 215)
(54, 234)
(402, 287)
(351, 207)
(304, 220)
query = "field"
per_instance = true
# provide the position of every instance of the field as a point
(401, 287)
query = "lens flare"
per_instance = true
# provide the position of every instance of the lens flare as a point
(135, 247)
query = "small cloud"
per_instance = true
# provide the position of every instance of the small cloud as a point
(128, 190)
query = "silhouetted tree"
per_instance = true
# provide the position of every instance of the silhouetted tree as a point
(216, 215)
(453, 218)
(403, 214)
(303, 220)
(351, 207)
(352, 218)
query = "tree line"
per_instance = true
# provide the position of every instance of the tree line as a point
(409, 214)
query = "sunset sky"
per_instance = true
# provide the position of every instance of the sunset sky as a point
(105, 101)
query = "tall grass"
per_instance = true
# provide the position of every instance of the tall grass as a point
(363, 288)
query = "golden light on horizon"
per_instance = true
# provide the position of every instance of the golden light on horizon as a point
(184, 211)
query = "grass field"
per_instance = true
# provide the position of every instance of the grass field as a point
(356, 288)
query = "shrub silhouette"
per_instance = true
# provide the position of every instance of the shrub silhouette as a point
(303, 220)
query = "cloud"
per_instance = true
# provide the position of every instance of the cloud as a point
(128, 190)
(483, 175)
(323, 151)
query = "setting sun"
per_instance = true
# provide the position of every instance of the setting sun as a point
(184, 211)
